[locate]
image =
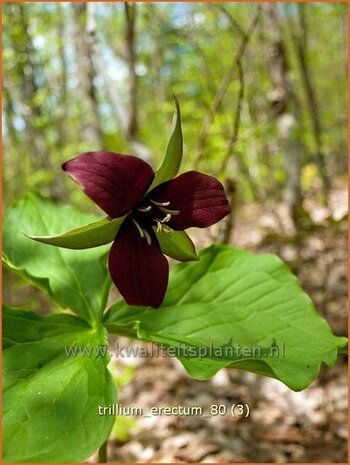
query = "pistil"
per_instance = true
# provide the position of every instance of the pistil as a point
(161, 227)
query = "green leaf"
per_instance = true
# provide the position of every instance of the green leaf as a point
(173, 155)
(229, 298)
(77, 280)
(51, 399)
(177, 245)
(91, 235)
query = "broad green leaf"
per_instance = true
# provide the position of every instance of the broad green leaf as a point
(177, 245)
(74, 279)
(173, 155)
(92, 235)
(236, 299)
(51, 398)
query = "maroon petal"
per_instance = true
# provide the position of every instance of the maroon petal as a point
(200, 199)
(138, 269)
(114, 182)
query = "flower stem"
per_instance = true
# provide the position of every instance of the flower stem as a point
(102, 453)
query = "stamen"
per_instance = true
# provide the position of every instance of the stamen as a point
(144, 209)
(168, 211)
(147, 236)
(138, 227)
(160, 204)
(143, 232)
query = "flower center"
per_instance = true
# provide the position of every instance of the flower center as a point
(153, 213)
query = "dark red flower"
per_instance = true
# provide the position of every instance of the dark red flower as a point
(119, 184)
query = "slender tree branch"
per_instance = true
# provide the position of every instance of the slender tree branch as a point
(220, 94)
(237, 115)
(222, 89)
(237, 118)
(224, 232)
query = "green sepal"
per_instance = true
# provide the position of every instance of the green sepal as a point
(173, 155)
(86, 237)
(177, 245)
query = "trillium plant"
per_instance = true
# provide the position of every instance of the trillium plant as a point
(57, 376)
(123, 186)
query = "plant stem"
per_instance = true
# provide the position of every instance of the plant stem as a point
(102, 453)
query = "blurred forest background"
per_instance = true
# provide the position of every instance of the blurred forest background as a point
(263, 95)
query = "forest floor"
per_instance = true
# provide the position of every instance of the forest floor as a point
(283, 426)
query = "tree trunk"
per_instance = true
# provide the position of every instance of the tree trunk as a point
(63, 76)
(126, 117)
(130, 20)
(91, 128)
(156, 53)
(32, 110)
(301, 44)
(286, 110)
